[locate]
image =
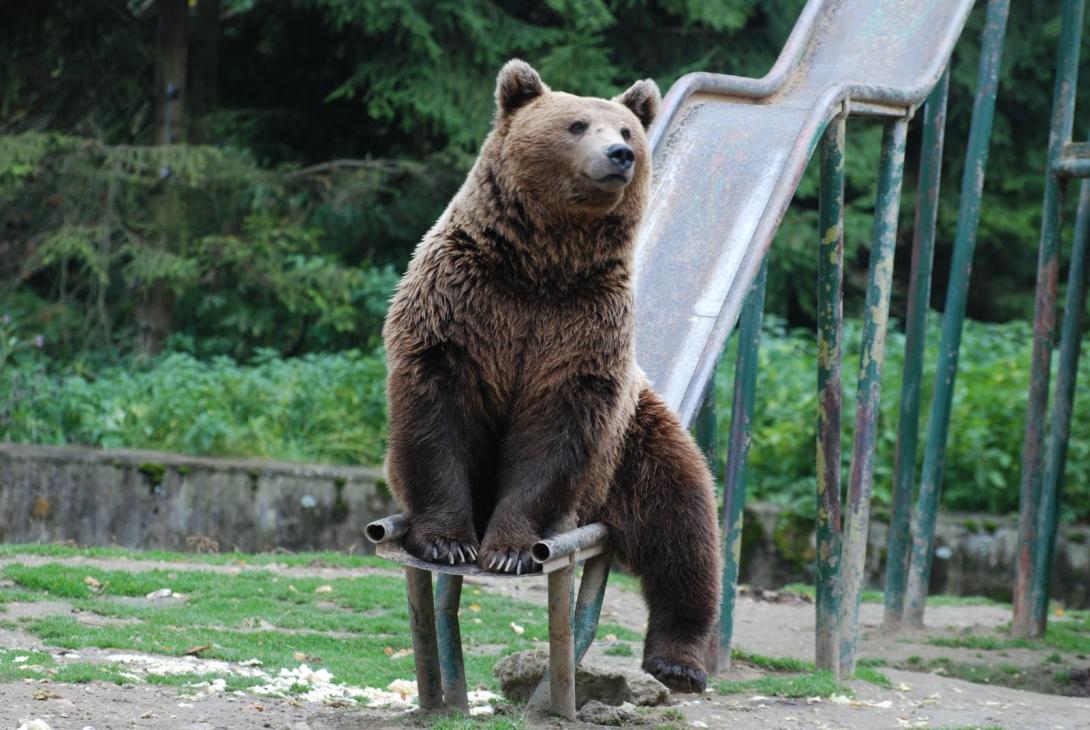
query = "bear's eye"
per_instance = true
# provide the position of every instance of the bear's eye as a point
(626, 133)
(578, 127)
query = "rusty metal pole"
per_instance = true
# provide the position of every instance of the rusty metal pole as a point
(919, 296)
(875, 320)
(938, 423)
(1064, 402)
(830, 325)
(425, 649)
(741, 425)
(561, 643)
(1044, 321)
(448, 595)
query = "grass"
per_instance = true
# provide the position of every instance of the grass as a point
(1070, 635)
(821, 683)
(619, 650)
(325, 558)
(807, 589)
(471, 723)
(349, 626)
(795, 677)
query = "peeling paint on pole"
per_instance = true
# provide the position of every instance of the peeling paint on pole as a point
(880, 277)
(919, 295)
(1044, 322)
(734, 484)
(972, 186)
(829, 337)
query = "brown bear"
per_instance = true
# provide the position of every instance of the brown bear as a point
(516, 407)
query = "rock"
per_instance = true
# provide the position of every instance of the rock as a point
(607, 681)
(599, 713)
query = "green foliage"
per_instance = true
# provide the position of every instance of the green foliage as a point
(983, 457)
(108, 221)
(315, 408)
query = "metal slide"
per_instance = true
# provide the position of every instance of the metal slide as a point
(729, 152)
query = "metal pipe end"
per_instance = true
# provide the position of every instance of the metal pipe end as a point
(376, 531)
(541, 551)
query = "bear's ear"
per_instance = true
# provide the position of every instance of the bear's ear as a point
(643, 99)
(517, 85)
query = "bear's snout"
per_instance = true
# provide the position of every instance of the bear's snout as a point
(621, 155)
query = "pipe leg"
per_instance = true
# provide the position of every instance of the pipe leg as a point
(734, 482)
(448, 595)
(561, 642)
(425, 649)
(919, 295)
(857, 509)
(830, 333)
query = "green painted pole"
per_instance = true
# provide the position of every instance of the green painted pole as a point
(448, 596)
(919, 297)
(741, 424)
(1064, 402)
(706, 432)
(938, 423)
(1024, 623)
(830, 309)
(875, 320)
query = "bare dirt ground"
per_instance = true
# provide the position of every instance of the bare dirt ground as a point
(782, 627)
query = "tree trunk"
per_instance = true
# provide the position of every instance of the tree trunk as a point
(203, 68)
(155, 301)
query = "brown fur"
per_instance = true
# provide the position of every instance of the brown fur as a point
(516, 408)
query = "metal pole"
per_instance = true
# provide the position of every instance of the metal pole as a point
(875, 320)
(422, 625)
(706, 433)
(1070, 340)
(1044, 319)
(561, 643)
(448, 595)
(830, 313)
(588, 602)
(741, 425)
(972, 185)
(919, 297)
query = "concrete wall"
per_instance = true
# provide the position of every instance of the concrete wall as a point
(974, 554)
(147, 499)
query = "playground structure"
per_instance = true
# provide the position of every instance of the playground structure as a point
(729, 153)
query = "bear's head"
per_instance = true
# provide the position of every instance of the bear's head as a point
(568, 153)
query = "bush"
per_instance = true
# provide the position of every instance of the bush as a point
(331, 408)
(325, 408)
(983, 457)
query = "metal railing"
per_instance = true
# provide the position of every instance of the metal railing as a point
(841, 528)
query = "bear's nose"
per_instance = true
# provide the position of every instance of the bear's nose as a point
(621, 155)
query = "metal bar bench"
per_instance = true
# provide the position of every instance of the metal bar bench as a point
(437, 638)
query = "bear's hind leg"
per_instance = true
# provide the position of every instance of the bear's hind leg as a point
(662, 513)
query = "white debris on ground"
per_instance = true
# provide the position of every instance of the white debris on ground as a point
(28, 724)
(302, 682)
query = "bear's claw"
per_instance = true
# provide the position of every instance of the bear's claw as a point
(678, 677)
(507, 560)
(440, 549)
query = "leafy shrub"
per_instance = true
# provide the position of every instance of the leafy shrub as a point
(983, 457)
(328, 407)
(331, 407)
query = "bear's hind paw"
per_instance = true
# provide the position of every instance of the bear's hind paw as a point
(675, 675)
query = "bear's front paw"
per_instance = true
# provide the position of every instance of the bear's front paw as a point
(508, 558)
(436, 547)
